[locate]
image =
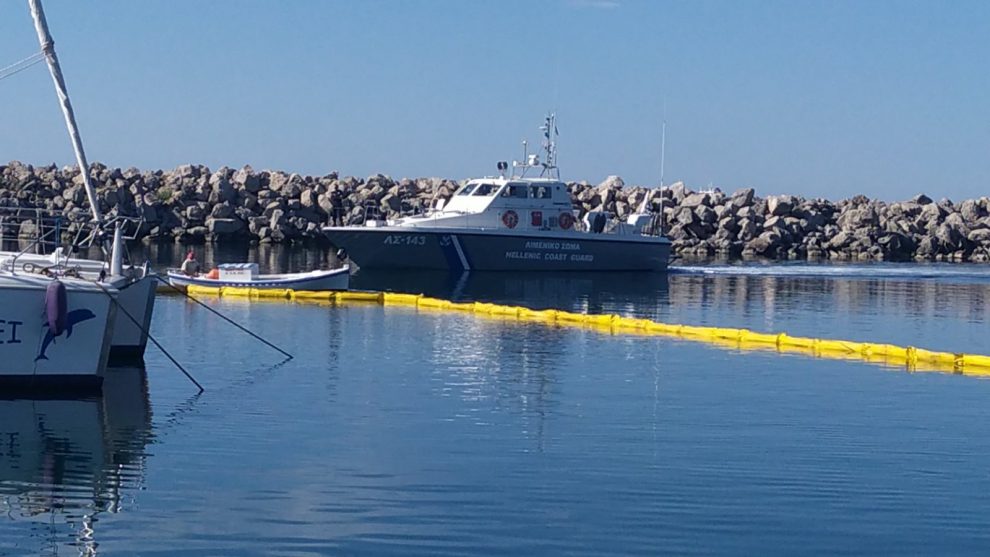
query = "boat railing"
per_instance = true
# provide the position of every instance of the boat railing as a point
(49, 235)
(89, 233)
(43, 231)
(40, 229)
(619, 225)
(654, 228)
(614, 224)
(373, 211)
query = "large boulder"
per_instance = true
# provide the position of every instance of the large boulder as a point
(222, 211)
(972, 211)
(728, 223)
(927, 247)
(896, 246)
(747, 230)
(949, 238)
(277, 219)
(705, 214)
(980, 236)
(224, 226)
(743, 197)
(840, 241)
(195, 214)
(862, 216)
(697, 200)
(685, 216)
(765, 244)
(223, 188)
(308, 198)
(612, 182)
(247, 179)
(391, 203)
(277, 180)
(780, 205)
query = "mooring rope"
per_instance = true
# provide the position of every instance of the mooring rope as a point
(224, 317)
(150, 337)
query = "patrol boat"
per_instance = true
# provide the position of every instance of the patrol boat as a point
(514, 223)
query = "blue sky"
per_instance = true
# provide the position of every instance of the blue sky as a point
(815, 98)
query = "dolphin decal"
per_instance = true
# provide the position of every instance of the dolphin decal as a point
(74, 317)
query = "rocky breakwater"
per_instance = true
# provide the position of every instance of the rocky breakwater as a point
(193, 204)
(714, 223)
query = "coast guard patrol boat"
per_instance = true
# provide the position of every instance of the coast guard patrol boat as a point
(514, 223)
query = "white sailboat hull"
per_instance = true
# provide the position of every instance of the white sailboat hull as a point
(31, 357)
(137, 300)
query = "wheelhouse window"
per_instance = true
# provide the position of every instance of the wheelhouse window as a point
(515, 191)
(466, 190)
(485, 190)
(540, 192)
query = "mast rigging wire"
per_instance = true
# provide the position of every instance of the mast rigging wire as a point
(22, 65)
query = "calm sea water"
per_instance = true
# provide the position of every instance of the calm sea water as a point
(405, 433)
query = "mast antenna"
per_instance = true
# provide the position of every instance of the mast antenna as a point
(550, 134)
(532, 160)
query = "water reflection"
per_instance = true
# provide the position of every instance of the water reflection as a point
(269, 257)
(65, 462)
(766, 303)
(590, 292)
(768, 290)
(920, 304)
(966, 300)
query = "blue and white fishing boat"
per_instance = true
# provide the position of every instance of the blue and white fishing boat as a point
(246, 275)
(510, 223)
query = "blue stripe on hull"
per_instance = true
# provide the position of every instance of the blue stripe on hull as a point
(448, 247)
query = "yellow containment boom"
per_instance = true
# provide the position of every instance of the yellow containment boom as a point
(909, 357)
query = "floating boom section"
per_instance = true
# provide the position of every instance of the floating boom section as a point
(48, 48)
(903, 357)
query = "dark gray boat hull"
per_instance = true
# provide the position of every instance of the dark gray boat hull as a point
(403, 248)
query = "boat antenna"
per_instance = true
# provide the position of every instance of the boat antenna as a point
(663, 147)
(48, 48)
(550, 134)
(549, 164)
(663, 150)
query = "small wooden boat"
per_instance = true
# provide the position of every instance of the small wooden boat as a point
(246, 275)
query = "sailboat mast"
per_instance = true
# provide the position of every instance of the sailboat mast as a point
(48, 48)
